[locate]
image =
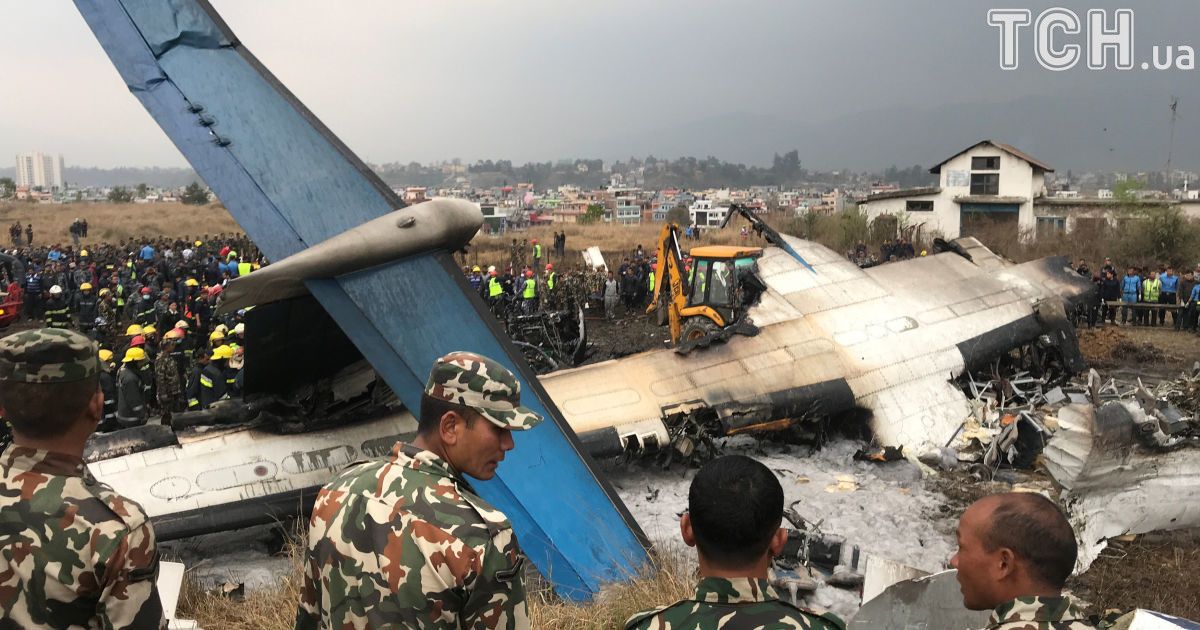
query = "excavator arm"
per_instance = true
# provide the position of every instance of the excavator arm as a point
(670, 269)
(761, 228)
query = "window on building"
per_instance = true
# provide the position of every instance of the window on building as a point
(1051, 226)
(919, 205)
(985, 163)
(985, 184)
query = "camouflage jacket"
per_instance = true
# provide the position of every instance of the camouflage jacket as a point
(72, 552)
(1039, 613)
(405, 542)
(732, 604)
(166, 377)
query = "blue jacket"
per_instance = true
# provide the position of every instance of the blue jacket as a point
(1130, 288)
(1170, 283)
(1195, 293)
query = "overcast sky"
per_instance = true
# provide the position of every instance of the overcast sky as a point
(403, 80)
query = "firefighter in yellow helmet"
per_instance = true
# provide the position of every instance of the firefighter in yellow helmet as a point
(108, 386)
(132, 409)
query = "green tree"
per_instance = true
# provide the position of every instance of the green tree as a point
(1126, 192)
(120, 195)
(194, 195)
(679, 214)
(1157, 234)
(594, 214)
(7, 187)
(142, 189)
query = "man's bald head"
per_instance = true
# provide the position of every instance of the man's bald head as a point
(1012, 545)
(1036, 530)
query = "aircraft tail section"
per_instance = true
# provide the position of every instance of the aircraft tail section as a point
(290, 183)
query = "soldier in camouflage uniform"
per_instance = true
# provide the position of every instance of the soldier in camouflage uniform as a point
(405, 541)
(73, 553)
(1015, 553)
(168, 385)
(514, 257)
(735, 508)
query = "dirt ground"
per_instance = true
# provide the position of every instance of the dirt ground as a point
(1161, 349)
(115, 222)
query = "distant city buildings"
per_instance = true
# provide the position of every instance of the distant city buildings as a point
(40, 171)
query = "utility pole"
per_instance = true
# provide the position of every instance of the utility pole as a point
(1171, 142)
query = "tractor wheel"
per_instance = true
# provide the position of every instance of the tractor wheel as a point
(697, 327)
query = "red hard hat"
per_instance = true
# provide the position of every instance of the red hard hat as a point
(549, 265)
(145, 290)
(528, 274)
(533, 241)
(138, 340)
(215, 290)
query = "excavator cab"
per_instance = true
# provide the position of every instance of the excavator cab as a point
(721, 287)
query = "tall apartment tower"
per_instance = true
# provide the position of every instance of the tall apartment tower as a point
(40, 170)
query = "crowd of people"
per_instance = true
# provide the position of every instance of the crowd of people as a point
(889, 251)
(527, 281)
(1143, 295)
(150, 305)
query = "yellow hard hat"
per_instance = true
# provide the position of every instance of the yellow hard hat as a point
(134, 329)
(182, 324)
(134, 354)
(106, 355)
(922, 252)
(198, 243)
(83, 252)
(104, 292)
(216, 335)
(191, 282)
(222, 352)
(149, 330)
(240, 329)
(221, 328)
(86, 286)
(475, 268)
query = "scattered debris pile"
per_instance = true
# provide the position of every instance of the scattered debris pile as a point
(1014, 414)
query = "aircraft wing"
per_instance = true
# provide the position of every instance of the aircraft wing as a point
(290, 183)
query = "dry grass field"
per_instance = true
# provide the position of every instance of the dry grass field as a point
(276, 609)
(115, 222)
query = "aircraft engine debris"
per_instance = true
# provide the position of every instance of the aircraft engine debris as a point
(1123, 473)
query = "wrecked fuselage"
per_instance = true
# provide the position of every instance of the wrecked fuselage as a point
(833, 338)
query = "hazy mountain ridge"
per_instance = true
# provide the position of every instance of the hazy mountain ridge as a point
(1054, 130)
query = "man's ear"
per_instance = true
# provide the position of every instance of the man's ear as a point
(449, 427)
(685, 530)
(778, 540)
(1006, 563)
(96, 407)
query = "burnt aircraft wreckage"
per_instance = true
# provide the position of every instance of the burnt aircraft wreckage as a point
(362, 298)
(830, 339)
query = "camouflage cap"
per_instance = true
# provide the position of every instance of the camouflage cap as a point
(47, 355)
(475, 381)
